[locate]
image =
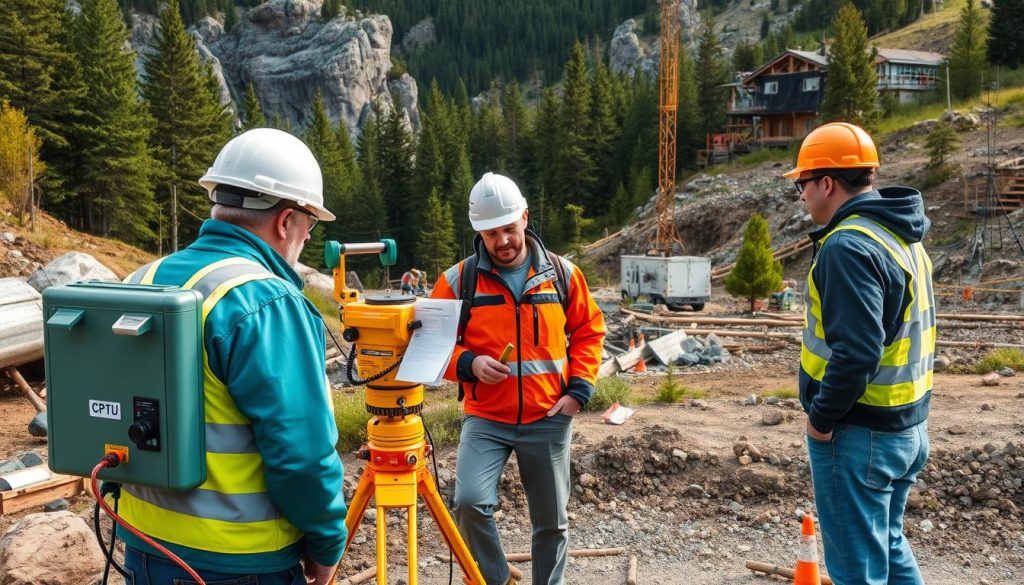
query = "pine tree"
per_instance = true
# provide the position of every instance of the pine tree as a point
(546, 141)
(252, 111)
(942, 141)
(351, 182)
(766, 26)
(458, 197)
(756, 273)
(577, 171)
(487, 135)
(1006, 33)
(40, 76)
(435, 249)
(38, 73)
(851, 91)
(514, 114)
(747, 56)
(18, 145)
(605, 132)
(689, 122)
(115, 190)
(966, 58)
(189, 123)
(431, 157)
(711, 75)
(404, 208)
(323, 142)
(369, 214)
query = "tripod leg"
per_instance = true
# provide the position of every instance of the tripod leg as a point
(445, 524)
(413, 563)
(382, 546)
(357, 507)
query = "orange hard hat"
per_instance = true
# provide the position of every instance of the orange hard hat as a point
(836, 145)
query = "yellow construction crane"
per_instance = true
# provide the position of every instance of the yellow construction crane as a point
(668, 82)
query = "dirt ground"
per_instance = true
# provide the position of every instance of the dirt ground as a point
(683, 539)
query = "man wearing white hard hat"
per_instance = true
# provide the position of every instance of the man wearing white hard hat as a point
(526, 360)
(273, 494)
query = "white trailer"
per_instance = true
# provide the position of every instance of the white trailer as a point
(674, 281)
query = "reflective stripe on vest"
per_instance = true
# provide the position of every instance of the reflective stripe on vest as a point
(231, 511)
(905, 371)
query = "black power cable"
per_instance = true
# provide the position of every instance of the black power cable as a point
(113, 489)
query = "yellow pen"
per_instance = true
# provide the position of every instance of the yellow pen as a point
(506, 354)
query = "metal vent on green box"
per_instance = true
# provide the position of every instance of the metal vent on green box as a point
(124, 368)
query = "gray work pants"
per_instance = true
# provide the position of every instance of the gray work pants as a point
(542, 450)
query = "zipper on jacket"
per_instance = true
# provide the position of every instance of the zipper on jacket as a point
(519, 341)
(536, 328)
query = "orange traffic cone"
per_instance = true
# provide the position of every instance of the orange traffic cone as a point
(807, 572)
(641, 366)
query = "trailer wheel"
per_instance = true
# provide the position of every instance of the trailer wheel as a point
(698, 306)
(657, 300)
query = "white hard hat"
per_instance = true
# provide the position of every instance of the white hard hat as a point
(495, 201)
(267, 165)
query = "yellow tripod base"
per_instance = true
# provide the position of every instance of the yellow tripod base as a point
(400, 489)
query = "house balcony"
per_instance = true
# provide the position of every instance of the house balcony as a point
(907, 82)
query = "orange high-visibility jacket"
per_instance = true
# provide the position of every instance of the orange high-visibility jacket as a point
(557, 351)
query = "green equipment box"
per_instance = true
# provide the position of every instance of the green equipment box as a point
(124, 371)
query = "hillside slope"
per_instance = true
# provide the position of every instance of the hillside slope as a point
(24, 251)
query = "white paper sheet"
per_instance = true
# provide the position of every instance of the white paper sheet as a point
(432, 344)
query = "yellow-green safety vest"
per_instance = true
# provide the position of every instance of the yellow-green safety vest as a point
(905, 371)
(231, 512)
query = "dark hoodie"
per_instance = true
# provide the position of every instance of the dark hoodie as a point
(863, 297)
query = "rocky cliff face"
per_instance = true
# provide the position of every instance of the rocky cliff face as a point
(630, 54)
(288, 54)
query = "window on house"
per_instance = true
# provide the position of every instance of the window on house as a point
(812, 83)
(771, 87)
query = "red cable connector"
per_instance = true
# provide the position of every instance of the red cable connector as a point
(111, 460)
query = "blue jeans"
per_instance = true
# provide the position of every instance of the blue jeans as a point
(542, 451)
(147, 569)
(862, 478)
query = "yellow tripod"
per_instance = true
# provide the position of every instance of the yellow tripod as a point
(396, 473)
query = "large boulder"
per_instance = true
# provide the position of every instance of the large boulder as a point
(289, 55)
(55, 548)
(70, 267)
(629, 54)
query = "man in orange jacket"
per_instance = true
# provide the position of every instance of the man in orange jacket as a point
(527, 405)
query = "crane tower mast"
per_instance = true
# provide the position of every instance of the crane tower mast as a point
(668, 82)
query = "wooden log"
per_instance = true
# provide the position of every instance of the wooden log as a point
(26, 390)
(610, 367)
(629, 359)
(784, 572)
(360, 577)
(576, 552)
(37, 494)
(976, 317)
(631, 573)
(718, 320)
(21, 323)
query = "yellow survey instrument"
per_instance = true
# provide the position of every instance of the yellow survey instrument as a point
(379, 327)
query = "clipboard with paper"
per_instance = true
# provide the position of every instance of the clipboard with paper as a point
(431, 346)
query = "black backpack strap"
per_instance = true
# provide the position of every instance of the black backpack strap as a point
(467, 290)
(561, 282)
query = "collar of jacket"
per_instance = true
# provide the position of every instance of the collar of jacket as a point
(538, 256)
(222, 237)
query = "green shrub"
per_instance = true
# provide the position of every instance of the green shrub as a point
(444, 420)
(783, 393)
(351, 417)
(609, 391)
(670, 390)
(997, 359)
